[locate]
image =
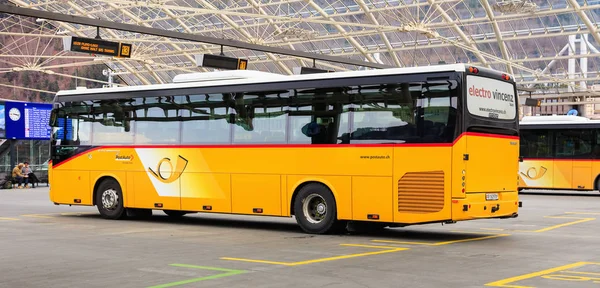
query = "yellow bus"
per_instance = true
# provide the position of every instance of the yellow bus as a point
(559, 152)
(395, 146)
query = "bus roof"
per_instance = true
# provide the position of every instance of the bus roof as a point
(558, 122)
(555, 119)
(252, 77)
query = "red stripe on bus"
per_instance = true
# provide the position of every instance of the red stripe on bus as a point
(229, 146)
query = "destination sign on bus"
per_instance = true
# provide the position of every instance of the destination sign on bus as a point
(97, 46)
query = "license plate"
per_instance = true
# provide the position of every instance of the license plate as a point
(491, 196)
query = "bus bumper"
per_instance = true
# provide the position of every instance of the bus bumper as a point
(475, 206)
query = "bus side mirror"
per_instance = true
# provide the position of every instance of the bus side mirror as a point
(53, 118)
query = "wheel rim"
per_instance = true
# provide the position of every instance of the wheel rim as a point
(110, 199)
(314, 208)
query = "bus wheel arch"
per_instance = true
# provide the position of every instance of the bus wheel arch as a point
(315, 208)
(108, 198)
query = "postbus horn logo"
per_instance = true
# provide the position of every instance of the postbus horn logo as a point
(174, 174)
(533, 174)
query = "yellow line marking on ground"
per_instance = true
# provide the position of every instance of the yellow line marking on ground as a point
(444, 242)
(577, 221)
(258, 261)
(403, 242)
(78, 213)
(372, 246)
(38, 215)
(386, 249)
(580, 220)
(54, 215)
(470, 239)
(474, 232)
(583, 213)
(582, 272)
(8, 219)
(507, 282)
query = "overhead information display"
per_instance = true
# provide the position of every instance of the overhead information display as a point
(221, 62)
(27, 120)
(97, 46)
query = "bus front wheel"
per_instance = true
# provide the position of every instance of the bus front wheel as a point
(109, 199)
(315, 209)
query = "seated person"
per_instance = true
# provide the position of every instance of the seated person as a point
(19, 177)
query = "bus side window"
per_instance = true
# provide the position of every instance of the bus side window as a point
(205, 119)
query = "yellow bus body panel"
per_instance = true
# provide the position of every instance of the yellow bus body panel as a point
(492, 165)
(403, 184)
(422, 184)
(571, 174)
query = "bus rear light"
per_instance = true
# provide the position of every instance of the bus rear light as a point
(463, 190)
(257, 210)
(158, 205)
(473, 70)
(373, 216)
(207, 207)
(77, 201)
(505, 77)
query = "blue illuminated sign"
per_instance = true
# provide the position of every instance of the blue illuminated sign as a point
(60, 133)
(27, 120)
(2, 121)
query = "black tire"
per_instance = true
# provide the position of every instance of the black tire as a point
(316, 222)
(113, 207)
(175, 213)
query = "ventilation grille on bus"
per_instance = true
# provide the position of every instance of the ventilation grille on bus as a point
(421, 192)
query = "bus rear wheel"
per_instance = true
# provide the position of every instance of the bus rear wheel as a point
(315, 209)
(109, 199)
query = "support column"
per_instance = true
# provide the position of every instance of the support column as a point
(583, 61)
(571, 66)
(13, 154)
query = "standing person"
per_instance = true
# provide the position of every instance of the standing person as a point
(17, 174)
(26, 171)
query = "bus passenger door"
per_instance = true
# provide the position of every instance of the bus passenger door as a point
(572, 150)
(582, 174)
(582, 164)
